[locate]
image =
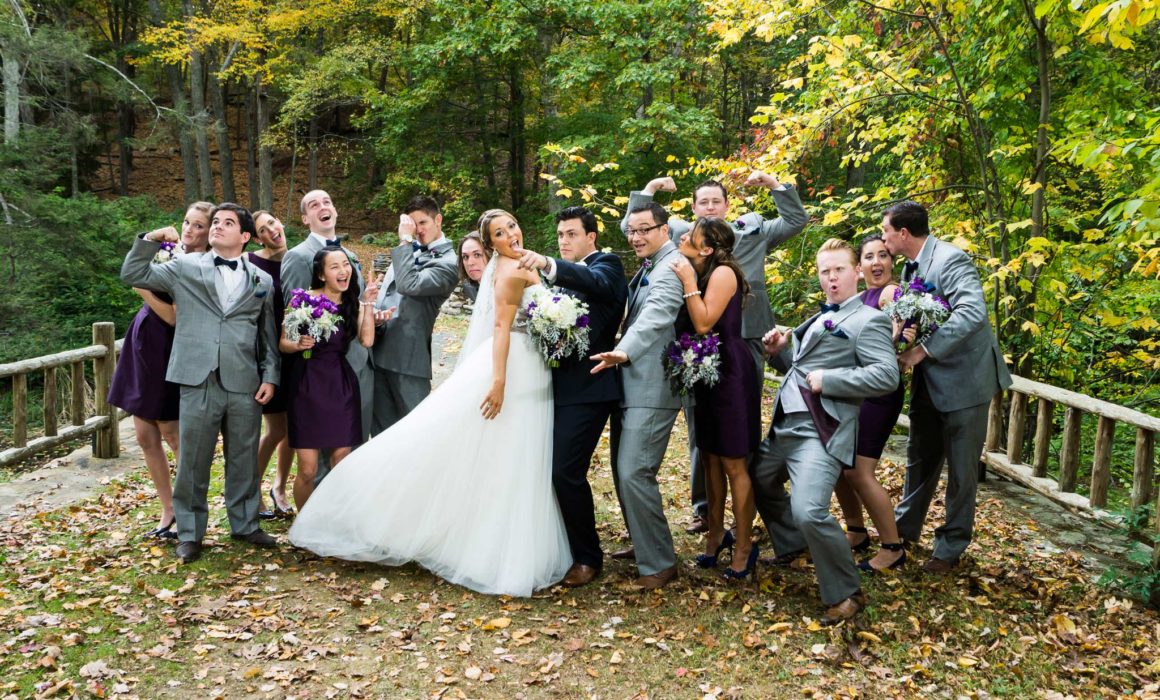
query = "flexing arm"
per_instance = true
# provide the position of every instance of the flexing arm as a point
(791, 218)
(677, 227)
(138, 270)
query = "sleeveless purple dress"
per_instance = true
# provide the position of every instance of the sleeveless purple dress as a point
(139, 385)
(728, 414)
(274, 269)
(879, 413)
(324, 398)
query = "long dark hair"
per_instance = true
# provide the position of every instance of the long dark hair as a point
(718, 235)
(348, 306)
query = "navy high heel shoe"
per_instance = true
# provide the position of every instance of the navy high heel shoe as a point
(863, 544)
(165, 532)
(706, 561)
(867, 567)
(750, 567)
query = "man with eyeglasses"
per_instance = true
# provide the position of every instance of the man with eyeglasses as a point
(755, 236)
(642, 425)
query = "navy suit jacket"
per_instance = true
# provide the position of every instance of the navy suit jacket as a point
(600, 283)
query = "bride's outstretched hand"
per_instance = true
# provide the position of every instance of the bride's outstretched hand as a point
(493, 402)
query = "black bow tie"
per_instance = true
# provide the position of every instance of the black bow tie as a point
(218, 260)
(415, 245)
(828, 307)
(910, 268)
(333, 241)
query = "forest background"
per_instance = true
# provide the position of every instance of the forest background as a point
(1032, 131)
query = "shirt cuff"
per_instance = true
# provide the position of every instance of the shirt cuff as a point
(550, 273)
(780, 188)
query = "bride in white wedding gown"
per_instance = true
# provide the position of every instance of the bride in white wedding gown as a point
(463, 484)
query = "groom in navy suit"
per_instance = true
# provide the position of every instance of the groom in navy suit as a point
(584, 401)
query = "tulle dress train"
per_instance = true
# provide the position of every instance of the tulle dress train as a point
(470, 500)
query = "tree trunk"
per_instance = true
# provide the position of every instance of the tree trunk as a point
(182, 125)
(516, 137)
(250, 127)
(200, 123)
(217, 91)
(265, 157)
(11, 95)
(481, 114)
(312, 162)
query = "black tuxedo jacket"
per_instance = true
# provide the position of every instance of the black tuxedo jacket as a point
(600, 283)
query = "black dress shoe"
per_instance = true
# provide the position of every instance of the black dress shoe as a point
(188, 551)
(784, 560)
(258, 538)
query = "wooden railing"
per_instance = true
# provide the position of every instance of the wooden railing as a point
(1010, 461)
(102, 425)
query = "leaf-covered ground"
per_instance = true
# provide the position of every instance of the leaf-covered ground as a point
(88, 607)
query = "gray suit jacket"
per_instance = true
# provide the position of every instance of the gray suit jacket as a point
(241, 344)
(755, 237)
(858, 360)
(296, 268)
(424, 281)
(653, 303)
(965, 366)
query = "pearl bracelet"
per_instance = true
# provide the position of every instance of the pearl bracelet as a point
(696, 293)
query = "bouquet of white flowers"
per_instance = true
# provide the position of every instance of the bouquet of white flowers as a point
(316, 316)
(558, 324)
(916, 305)
(691, 359)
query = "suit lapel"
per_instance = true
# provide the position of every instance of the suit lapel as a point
(209, 279)
(841, 315)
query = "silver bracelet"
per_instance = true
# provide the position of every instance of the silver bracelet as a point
(696, 293)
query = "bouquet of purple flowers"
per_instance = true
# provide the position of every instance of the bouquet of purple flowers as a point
(558, 325)
(313, 315)
(165, 252)
(915, 304)
(691, 359)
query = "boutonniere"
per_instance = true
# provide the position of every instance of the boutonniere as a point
(833, 330)
(256, 285)
(647, 267)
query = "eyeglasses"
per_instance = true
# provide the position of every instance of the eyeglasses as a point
(642, 231)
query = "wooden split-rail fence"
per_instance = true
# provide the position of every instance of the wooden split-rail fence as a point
(1003, 451)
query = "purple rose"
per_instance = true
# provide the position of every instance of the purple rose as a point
(316, 313)
(582, 322)
(829, 324)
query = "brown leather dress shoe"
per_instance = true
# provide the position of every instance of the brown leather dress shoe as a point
(580, 575)
(627, 553)
(844, 610)
(934, 565)
(785, 560)
(658, 580)
(697, 525)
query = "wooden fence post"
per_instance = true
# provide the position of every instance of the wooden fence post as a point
(1142, 467)
(106, 442)
(994, 423)
(77, 401)
(1102, 462)
(1069, 453)
(50, 401)
(19, 410)
(1043, 427)
(1016, 426)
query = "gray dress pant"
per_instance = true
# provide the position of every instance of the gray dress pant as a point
(206, 409)
(396, 395)
(797, 452)
(639, 439)
(956, 437)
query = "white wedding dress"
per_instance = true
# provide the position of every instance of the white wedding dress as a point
(470, 500)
